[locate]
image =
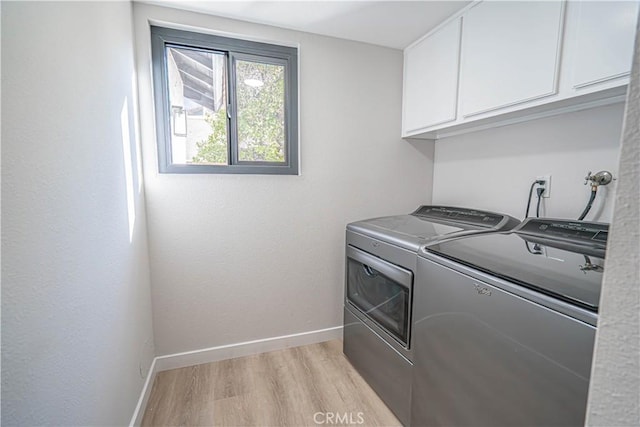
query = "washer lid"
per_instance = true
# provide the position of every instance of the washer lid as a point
(569, 273)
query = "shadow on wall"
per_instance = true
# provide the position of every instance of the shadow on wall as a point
(426, 148)
(558, 134)
(494, 168)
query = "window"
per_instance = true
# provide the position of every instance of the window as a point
(224, 105)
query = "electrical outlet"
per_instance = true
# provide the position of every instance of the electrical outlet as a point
(546, 185)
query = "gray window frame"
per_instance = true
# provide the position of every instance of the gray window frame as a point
(234, 49)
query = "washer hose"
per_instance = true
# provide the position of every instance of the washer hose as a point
(594, 190)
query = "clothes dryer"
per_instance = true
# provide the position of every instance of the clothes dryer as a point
(381, 255)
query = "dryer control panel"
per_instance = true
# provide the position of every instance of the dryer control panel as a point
(469, 216)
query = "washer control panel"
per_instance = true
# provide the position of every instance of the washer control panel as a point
(575, 231)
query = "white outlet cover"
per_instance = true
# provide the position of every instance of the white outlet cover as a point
(547, 179)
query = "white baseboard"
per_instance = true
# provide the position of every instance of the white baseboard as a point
(214, 354)
(223, 352)
(136, 420)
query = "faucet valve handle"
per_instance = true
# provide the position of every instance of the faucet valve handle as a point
(599, 178)
(588, 266)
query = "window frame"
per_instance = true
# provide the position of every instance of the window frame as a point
(234, 49)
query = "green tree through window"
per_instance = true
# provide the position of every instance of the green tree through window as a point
(260, 117)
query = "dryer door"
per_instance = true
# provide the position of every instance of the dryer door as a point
(381, 291)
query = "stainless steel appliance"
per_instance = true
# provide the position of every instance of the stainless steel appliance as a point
(504, 326)
(381, 256)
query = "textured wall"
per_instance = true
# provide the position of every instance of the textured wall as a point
(76, 316)
(237, 258)
(614, 394)
(493, 169)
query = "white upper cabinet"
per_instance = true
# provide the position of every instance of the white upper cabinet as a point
(510, 54)
(602, 37)
(501, 62)
(431, 79)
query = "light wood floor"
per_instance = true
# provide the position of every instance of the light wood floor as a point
(282, 388)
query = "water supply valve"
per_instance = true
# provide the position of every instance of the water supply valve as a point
(598, 178)
(589, 266)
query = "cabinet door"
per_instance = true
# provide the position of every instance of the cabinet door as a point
(431, 79)
(510, 54)
(604, 36)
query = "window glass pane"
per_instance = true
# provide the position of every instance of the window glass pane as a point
(197, 96)
(260, 112)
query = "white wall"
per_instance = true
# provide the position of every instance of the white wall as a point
(237, 258)
(614, 392)
(493, 169)
(76, 316)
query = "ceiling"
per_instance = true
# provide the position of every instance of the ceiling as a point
(393, 24)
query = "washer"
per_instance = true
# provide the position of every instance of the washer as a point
(381, 255)
(504, 326)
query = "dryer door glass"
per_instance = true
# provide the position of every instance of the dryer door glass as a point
(382, 299)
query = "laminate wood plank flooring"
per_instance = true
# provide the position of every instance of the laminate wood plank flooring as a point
(301, 386)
